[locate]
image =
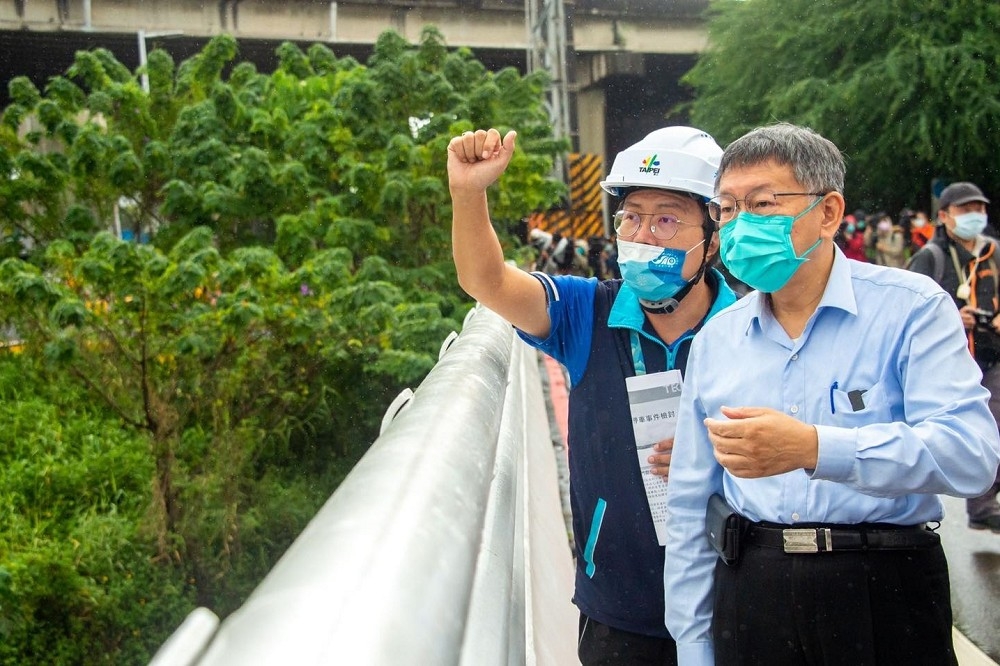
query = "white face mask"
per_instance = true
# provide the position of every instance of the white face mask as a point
(918, 222)
(653, 272)
(969, 225)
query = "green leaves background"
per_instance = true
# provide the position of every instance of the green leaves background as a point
(209, 388)
(909, 90)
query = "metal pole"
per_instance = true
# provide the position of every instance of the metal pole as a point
(547, 44)
(118, 222)
(143, 36)
(142, 59)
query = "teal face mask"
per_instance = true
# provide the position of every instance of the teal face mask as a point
(757, 249)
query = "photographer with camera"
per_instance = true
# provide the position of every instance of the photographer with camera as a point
(964, 262)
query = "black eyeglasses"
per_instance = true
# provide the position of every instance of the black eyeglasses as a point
(662, 226)
(725, 207)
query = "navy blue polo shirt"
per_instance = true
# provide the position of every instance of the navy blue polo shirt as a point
(619, 564)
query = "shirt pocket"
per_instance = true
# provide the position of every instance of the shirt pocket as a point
(860, 406)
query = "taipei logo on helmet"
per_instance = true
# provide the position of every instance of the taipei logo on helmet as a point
(650, 165)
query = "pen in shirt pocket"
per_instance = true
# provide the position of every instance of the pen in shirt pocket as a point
(856, 398)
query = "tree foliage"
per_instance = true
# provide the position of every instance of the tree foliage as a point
(283, 271)
(77, 584)
(909, 90)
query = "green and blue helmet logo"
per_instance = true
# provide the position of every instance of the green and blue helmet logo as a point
(650, 165)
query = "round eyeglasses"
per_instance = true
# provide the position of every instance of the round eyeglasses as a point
(725, 207)
(662, 226)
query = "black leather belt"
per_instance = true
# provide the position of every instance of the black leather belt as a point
(832, 538)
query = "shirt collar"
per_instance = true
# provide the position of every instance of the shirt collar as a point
(978, 251)
(839, 294)
(626, 312)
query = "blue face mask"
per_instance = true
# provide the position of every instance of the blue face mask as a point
(757, 249)
(653, 273)
(969, 225)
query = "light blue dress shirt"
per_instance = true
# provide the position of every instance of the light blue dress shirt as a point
(922, 425)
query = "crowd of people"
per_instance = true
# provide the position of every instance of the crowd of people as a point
(745, 488)
(878, 239)
(556, 254)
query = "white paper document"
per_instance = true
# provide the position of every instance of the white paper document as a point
(654, 400)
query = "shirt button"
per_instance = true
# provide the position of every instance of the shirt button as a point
(794, 409)
(795, 357)
(795, 516)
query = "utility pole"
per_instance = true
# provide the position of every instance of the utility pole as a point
(142, 36)
(547, 51)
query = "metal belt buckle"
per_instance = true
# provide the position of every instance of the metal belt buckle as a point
(800, 541)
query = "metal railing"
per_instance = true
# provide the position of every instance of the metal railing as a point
(424, 554)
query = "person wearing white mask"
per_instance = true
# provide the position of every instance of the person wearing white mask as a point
(921, 230)
(963, 261)
(889, 243)
(624, 344)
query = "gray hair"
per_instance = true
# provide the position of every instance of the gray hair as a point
(815, 161)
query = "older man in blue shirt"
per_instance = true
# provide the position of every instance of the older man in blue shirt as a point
(850, 401)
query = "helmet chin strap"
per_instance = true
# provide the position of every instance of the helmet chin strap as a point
(669, 305)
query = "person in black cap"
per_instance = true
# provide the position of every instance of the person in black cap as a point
(963, 261)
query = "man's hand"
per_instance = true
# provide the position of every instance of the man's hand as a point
(757, 442)
(660, 460)
(968, 317)
(476, 159)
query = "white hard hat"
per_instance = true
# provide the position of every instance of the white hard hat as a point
(678, 158)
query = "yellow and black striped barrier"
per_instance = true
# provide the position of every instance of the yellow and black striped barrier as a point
(584, 217)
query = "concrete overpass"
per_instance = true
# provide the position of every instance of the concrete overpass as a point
(624, 56)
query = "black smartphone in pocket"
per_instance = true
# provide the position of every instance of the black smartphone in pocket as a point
(724, 527)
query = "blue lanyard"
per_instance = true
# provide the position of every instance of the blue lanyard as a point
(638, 360)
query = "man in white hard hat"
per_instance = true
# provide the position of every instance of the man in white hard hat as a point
(624, 343)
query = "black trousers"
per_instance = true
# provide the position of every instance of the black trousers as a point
(601, 645)
(852, 608)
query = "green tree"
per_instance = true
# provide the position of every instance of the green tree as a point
(908, 89)
(297, 276)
